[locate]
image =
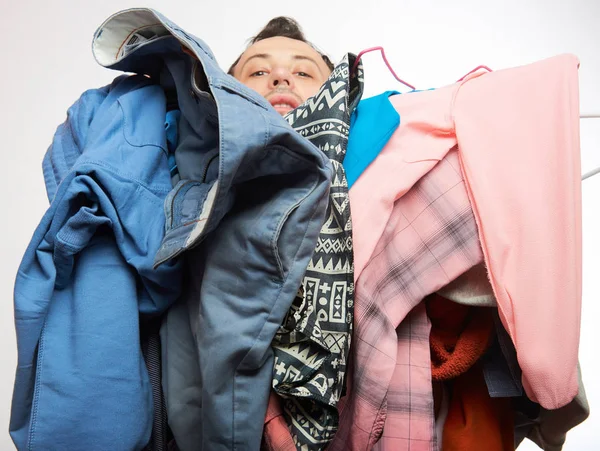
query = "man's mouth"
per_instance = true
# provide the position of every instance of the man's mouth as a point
(283, 108)
(283, 103)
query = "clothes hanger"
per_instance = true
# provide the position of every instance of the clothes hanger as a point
(389, 66)
(385, 60)
(594, 171)
(481, 66)
(588, 174)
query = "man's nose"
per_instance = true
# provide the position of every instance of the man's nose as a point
(281, 77)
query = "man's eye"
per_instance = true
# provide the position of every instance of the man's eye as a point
(258, 73)
(304, 74)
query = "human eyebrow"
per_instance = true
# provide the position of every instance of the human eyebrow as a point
(307, 58)
(257, 55)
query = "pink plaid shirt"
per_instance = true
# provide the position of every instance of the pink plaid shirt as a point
(430, 239)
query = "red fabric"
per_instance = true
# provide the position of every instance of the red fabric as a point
(475, 421)
(460, 335)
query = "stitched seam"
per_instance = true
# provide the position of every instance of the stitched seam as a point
(125, 123)
(37, 390)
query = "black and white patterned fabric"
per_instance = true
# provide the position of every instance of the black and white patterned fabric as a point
(312, 345)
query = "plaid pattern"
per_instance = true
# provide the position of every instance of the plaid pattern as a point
(430, 239)
(410, 422)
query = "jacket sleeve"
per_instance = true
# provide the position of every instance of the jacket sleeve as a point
(518, 133)
(36, 277)
(85, 278)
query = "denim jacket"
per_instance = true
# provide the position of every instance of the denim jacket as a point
(104, 252)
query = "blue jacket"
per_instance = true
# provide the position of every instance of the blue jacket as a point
(104, 252)
(88, 273)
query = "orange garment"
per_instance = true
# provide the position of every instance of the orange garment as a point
(459, 336)
(475, 421)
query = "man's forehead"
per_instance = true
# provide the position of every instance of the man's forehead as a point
(280, 46)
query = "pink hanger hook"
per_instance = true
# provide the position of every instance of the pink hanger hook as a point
(385, 60)
(475, 70)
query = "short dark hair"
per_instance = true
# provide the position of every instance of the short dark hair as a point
(285, 27)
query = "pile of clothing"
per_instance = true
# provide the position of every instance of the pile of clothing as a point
(397, 272)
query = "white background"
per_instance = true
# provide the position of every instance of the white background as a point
(46, 63)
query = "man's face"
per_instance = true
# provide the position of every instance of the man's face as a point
(285, 71)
